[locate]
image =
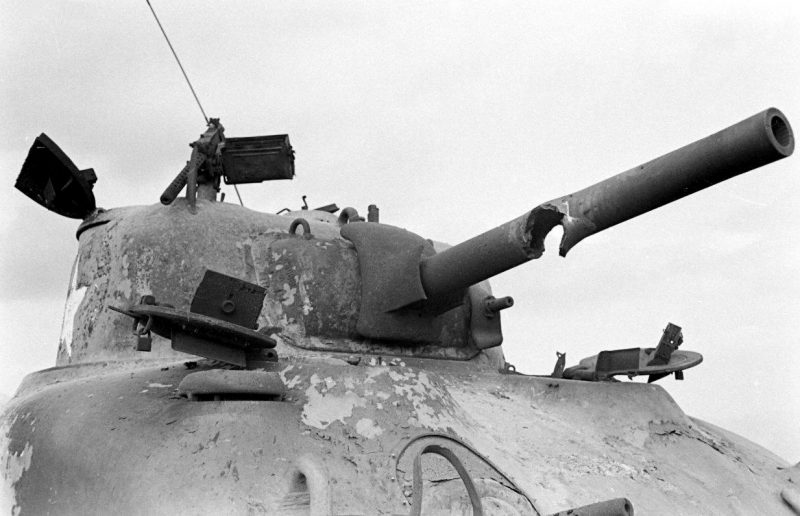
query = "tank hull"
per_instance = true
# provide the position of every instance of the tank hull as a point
(115, 437)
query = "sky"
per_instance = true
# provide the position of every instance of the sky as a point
(452, 117)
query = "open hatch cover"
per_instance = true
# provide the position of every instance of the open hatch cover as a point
(50, 178)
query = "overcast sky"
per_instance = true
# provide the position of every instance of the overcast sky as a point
(452, 117)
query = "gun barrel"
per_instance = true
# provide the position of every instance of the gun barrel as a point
(747, 145)
(175, 187)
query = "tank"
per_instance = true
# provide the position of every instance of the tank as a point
(215, 359)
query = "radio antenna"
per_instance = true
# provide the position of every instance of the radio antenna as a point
(178, 60)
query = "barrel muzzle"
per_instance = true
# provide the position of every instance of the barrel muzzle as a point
(750, 144)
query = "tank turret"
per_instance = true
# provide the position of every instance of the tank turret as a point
(340, 283)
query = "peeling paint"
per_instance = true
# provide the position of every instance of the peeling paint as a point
(144, 267)
(289, 383)
(301, 289)
(368, 428)
(75, 297)
(324, 407)
(12, 467)
(124, 287)
(418, 390)
(249, 262)
(288, 295)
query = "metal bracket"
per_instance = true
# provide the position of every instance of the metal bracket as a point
(220, 324)
(654, 362)
(484, 321)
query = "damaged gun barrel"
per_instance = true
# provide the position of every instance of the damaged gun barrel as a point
(747, 145)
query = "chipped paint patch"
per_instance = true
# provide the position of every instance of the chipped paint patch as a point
(301, 287)
(288, 295)
(144, 267)
(124, 287)
(249, 262)
(12, 467)
(289, 383)
(326, 404)
(368, 428)
(159, 385)
(75, 297)
(418, 389)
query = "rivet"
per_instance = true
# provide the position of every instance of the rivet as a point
(228, 306)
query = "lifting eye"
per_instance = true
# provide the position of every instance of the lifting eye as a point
(298, 498)
(307, 490)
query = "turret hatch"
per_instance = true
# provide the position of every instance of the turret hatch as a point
(50, 178)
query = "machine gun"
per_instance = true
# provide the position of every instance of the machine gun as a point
(206, 156)
(237, 160)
